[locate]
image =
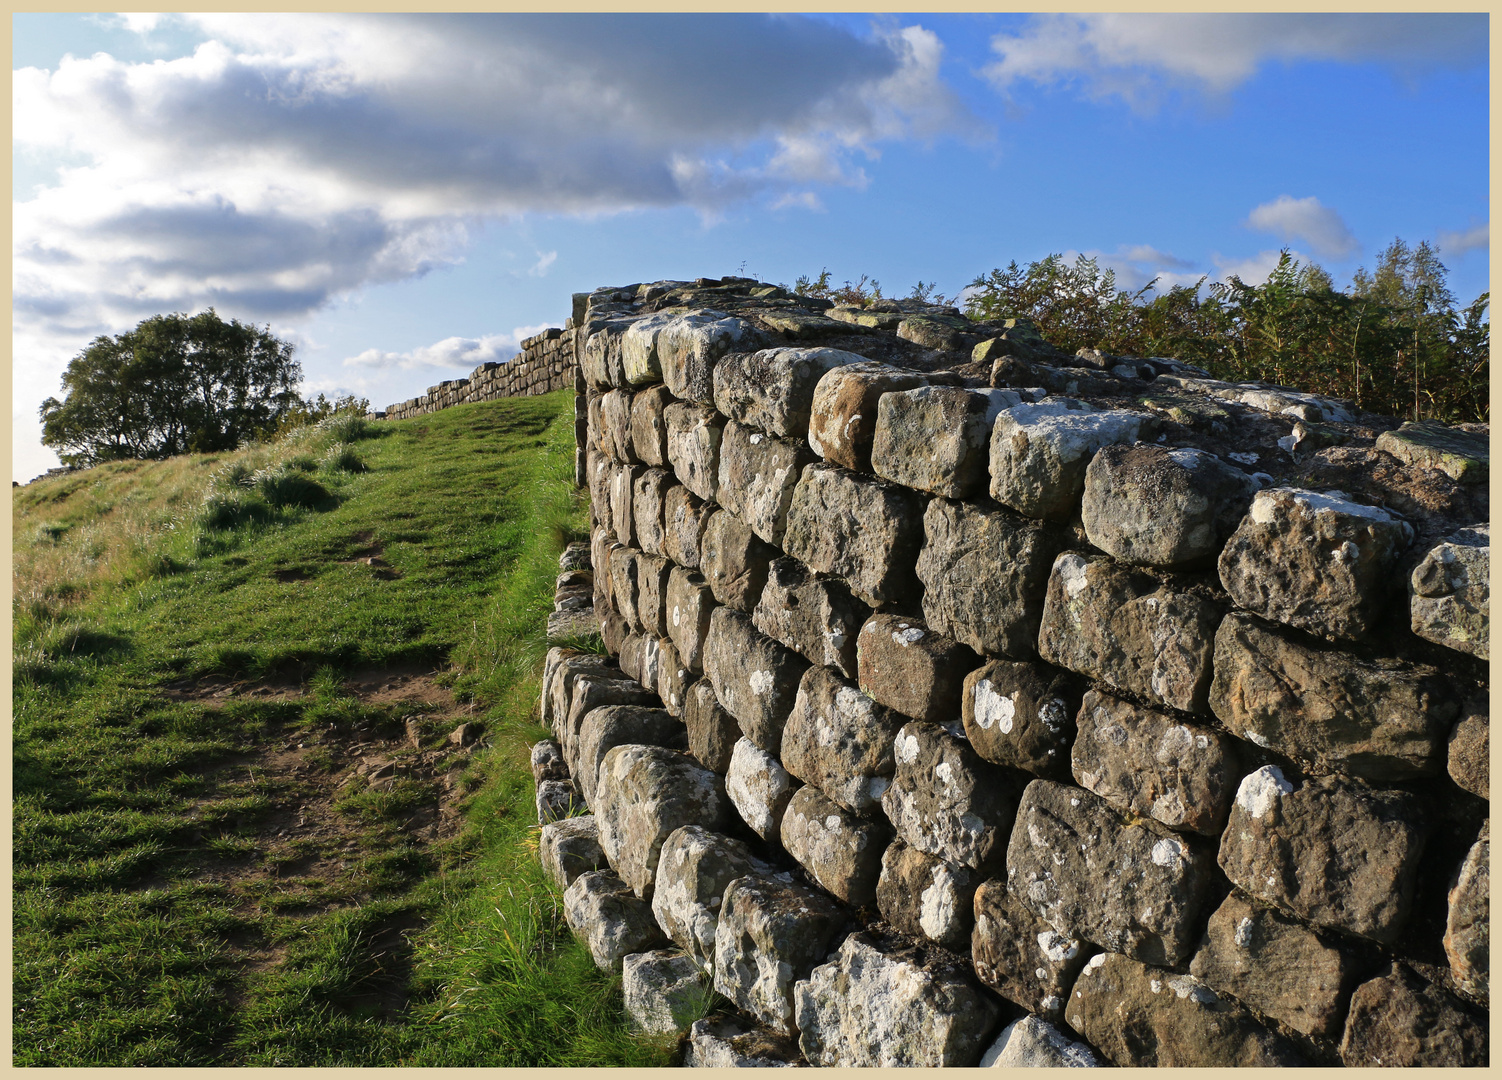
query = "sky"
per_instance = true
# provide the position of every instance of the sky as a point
(405, 197)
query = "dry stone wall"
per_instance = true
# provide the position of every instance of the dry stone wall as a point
(969, 702)
(545, 363)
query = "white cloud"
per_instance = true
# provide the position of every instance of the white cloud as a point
(458, 353)
(1253, 269)
(807, 200)
(544, 262)
(1137, 264)
(1305, 219)
(1477, 237)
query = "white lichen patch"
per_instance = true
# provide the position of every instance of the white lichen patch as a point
(1260, 791)
(1168, 852)
(1057, 947)
(906, 749)
(1244, 933)
(1071, 570)
(993, 709)
(906, 635)
(761, 682)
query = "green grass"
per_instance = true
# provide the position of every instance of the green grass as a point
(155, 922)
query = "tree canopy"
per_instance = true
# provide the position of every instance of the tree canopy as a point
(175, 384)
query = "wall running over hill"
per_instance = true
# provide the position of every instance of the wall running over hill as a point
(972, 702)
(545, 364)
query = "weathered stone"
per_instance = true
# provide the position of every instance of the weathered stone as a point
(631, 659)
(712, 732)
(665, 991)
(646, 508)
(615, 427)
(684, 518)
(644, 793)
(689, 347)
(759, 788)
(649, 432)
(841, 741)
(613, 632)
(547, 761)
(693, 872)
(639, 357)
(674, 679)
(558, 682)
(1120, 626)
(1450, 592)
(771, 934)
(1145, 1017)
(569, 847)
(906, 666)
(1020, 956)
(1276, 965)
(1132, 887)
(757, 476)
(612, 921)
(1326, 708)
(1397, 1020)
(1462, 455)
(985, 572)
(653, 573)
(557, 799)
(1034, 1043)
(1039, 452)
(924, 896)
(694, 436)
(755, 678)
(593, 691)
(1154, 506)
(617, 725)
(946, 801)
(1022, 715)
(1149, 763)
(1470, 754)
(575, 556)
(1468, 925)
(842, 420)
(1319, 562)
(773, 390)
(937, 438)
(859, 316)
(1335, 853)
(725, 1042)
(798, 325)
(622, 492)
(864, 530)
(595, 426)
(950, 333)
(840, 851)
(816, 617)
(734, 561)
(688, 605)
(883, 1002)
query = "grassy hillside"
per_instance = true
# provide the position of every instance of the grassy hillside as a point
(249, 828)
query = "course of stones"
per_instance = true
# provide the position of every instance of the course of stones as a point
(545, 364)
(970, 702)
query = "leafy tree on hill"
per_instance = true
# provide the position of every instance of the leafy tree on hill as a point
(174, 384)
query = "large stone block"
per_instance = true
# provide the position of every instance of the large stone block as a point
(734, 561)
(771, 934)
(755, 678)
(558, 681)
(688, 605)
(773, 390)
(639, 358)
(1149, 763)
(985, 572)
(1149, 1017)
(644, 793)
(842, 419)
(1462, 455)
(557, 799)
(1123, 628)
(1468, 924)
(653, 574)
(1468, 759)
(882, 1002)
(569, 847)
(601, 473)
(712, 732)
(685, 516)
(937, 438)
(840, 851)
(593, 691)
(649, 431)
(547, 761)
(689, 347)
(1450, 592)
(840, 741)
(1328, 709)
(622, 496)
(906, 666)
(1039, 452)
(759, 788)
(1131, 887)
(694, 436)
(1398, 1020)
(1022, 715)
(1034, 1043)
(613, 921)
(616, 725)
(1320, 562)
(1021, 957)
(946, 801)
(665, 991)
(615, 427)
(725, 1042)
(647, 495)
(674, 679)
(757, 476)
(1335, 853)
(816, 617)
(693, 872)
(1154, 506)
(926, 897)
(864, 530)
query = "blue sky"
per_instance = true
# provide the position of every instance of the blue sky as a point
(405, 197)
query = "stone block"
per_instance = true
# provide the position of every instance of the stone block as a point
(725, 1042)
(757, 476)
(1125, 629)
(734, 561)
(1468, 923)
(1149, 763)
(1276, 965)
(647, 494)
(985, 573)
(595, 425)
(685, 516)
(771, 934)
(1021, 957)
(693, 872)
(1380, 720)
(1469, 755)
(674, 679)
(631, 661)
(759, 788)
(1131, 887)
(664, 990)
(949, 333)
(569, 847)
(1462, 455)
(816, 617)
(1398, 1020)
(653, 573)
(649, 430)
(864, 530)
(1319, 562)
(1039, 452)
(906, 666)
(840, 741)
(842, 418)
(689, 347)
(622, 493)
(712, 732)
(558, 681)
(1149, 1017)
(1154, 506)
(694, 436)
(615, 427)
(840, 851)
(644, 793)
(1021, 715)
(557, 799)
(925, 897)
(883, 1002)
(1034, 1043)
(773, 390)
(755, 678)
(1450, 592)
(945, 801)
(1335, 853)
(613, 632)
(688, 605)
(937, 438)
(611, 920)
(595, 691)
(639, 358)
(547, 761)
(601, 358)
(617, 725)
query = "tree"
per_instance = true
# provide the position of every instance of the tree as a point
(175, 384)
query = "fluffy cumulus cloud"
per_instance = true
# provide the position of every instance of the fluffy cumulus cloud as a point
(1476, 238)
(1305, 219)
(452, 353)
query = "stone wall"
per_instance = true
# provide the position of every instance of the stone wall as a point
(545, 363)
(969, 702)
